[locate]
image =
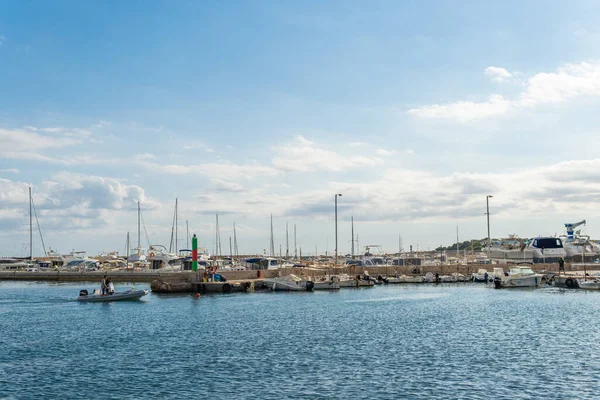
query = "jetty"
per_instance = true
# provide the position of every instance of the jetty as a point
(248, 280)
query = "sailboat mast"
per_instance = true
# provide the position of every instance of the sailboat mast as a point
(457, 251)
(272, 244)
(352, 252)
(139, 230)
(287, 242)
(176, 228)
(187, 233)
(218, 250)
(295, 244)
(235, 243)
(30, 227)
(230, 250)
(127, 249)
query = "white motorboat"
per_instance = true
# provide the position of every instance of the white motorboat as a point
(331, 282)
(593, 284)
(447, 279)
(546, 249)
(289, 283)
(518, 276)
(482, 275)
(355, 281)
(96, 297)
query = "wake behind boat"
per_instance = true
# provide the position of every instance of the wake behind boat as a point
(97, 297)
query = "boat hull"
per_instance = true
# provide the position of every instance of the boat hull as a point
(528, 281)
(117, 296)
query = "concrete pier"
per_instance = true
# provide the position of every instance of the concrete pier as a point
(240, 281)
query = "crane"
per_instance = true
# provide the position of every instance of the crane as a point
(571, 228)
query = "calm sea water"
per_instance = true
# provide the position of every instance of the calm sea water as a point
(387, 342)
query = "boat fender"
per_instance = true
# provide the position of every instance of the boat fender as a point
(226, 288)
(151, 255)
(570, 283)
(309, 286)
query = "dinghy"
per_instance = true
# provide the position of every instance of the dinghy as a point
(116, 296)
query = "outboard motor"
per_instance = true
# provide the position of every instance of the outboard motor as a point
(497, 283)
(83, 292)
(309, 286)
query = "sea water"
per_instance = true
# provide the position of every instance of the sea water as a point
(462, 341)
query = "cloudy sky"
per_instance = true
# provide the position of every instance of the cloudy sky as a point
(413, 111)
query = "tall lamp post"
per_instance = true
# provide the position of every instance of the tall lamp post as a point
(487, 202)
(336, 233)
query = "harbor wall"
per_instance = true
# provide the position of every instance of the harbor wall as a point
(188, 276)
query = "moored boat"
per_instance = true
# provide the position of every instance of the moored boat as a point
(331, 282)
(289, 283)
(519, 276)
(593, 284)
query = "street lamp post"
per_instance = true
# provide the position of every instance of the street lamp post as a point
(487, 202)
(336, 231)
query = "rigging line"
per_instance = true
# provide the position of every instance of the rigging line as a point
(145, 231)
(39, 228)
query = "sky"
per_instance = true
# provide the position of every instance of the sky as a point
(414, 111)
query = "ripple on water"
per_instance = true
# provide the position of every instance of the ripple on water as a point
(397, 341)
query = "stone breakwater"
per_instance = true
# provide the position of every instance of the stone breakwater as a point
(196, 277)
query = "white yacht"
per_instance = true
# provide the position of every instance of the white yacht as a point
(517, 276)
(546, 249)
(161, 259)
(373, 258)
(510, 250)
(289, 283)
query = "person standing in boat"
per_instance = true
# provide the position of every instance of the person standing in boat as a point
(104, 285)
(110, 288)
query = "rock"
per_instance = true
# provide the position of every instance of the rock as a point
(160, 286)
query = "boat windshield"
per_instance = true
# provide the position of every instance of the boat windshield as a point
(522, 271)
(547, 243)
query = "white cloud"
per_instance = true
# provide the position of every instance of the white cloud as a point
(465, 111)
(302, 155)
(497, 74)
(568, 82)
(384, 152)
(198, 146)
(10, 170)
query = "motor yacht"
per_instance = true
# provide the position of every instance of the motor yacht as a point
(161, 259)
(510, 250)
(546, 249)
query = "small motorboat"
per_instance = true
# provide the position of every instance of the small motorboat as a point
(96, 296)
(519, 276)
(326, 283)
(593, 284)
(289, 283)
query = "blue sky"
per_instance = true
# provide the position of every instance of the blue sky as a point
(414, 111)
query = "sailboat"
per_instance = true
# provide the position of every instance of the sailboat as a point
(163, 259)
(138, 258)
